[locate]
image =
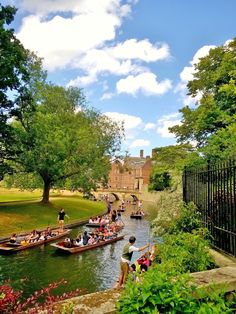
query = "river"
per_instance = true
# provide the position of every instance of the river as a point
(89, 271)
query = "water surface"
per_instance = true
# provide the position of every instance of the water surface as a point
(91, 271)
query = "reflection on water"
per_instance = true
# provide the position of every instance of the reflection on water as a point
(91, 270)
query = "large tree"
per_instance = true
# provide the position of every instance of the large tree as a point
(64, 140)
(16, 67)
(213, 118)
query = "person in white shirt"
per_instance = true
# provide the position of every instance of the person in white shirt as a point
(126, 257)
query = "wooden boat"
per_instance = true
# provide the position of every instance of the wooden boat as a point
(94, 225)
(121, 210)
(79, 249)
(134, 216)
(7, 246)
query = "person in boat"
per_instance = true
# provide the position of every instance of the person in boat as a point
(101, 229)
(119, 219)
(42, 236)
(90, 220)
(91, 240)
(32, 237)
(113, 215)
(78, 241)
(103, 221)
(85, 238)
(61, 217)
(140, 204)
(108, 234)
(48, 233)
(68, 242)
(19, 239)
(144, 260)
(126, 257)
(13, 238)
(108, 208)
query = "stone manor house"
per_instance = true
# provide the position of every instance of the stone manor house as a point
(131, 173)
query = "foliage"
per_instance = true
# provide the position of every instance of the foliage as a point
(23, 181)
(168, 207)
(65, 142)
(214, 117)
(159, 181)
(11, 301)
(172, 156)
(175, 216)
(17, 65)
(187, 220)
(186, 252)
(167, 287)
(162, 291)
(222, 144)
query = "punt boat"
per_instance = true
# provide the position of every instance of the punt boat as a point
(134, 216)
(79, 249)
(9, 247)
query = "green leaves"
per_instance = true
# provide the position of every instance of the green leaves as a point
(63, 145)
(214, 80)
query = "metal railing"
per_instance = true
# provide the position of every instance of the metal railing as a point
(213, 190)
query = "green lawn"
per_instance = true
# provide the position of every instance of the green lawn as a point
(10, 195)
(25, 213)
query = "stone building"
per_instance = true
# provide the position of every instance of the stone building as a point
(131, 173)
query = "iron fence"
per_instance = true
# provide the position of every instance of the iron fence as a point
(213, 190)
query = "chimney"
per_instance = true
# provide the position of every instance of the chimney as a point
(154, 152)
(141, 153)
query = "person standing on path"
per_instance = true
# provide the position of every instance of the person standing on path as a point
(140, 204)
(126, 257)
(60, 218)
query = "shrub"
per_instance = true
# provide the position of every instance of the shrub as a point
(159, 181)
(187, 220)
(186, 252)
(41, 301)
(182, 218)
(162, 291)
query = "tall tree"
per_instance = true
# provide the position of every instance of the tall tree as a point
(16, 65)
(172, 156)
(65, 140)
(215, 113)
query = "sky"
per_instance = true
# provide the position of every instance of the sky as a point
(132, 58)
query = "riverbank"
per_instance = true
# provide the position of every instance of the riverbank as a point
(104, 302)
(24, 214)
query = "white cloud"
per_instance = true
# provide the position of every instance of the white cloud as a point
(140, 50)
(118, 60)
(107, 96)
(140, 143)
(60, 40)
(166, 122)
(145, 83)
(74, 34)
(130, 122)
(187, 75)
(149, 126)
(98, 61)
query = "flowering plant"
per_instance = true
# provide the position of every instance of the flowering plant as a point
(11, 301)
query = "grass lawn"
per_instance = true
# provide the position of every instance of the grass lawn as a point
(10, 195)
(23, 213)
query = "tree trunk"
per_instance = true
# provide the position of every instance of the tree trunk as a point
(46, 190)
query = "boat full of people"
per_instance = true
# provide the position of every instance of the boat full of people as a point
(101, 236)
(34, 238)
(137, 214)
(98, 221)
